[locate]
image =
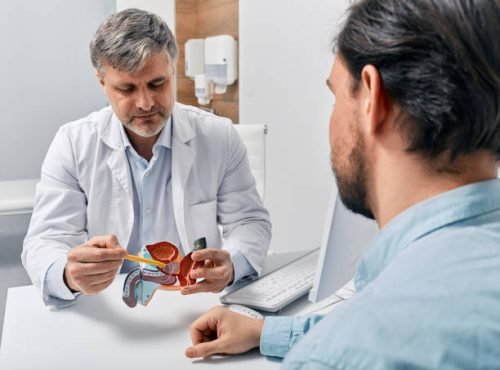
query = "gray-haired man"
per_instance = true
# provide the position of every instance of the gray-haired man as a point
(144, 170)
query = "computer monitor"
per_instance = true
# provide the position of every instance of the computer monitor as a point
(345, 237)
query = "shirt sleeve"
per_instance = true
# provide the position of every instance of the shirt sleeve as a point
(280, 333)
(54, 290)
(242, 268)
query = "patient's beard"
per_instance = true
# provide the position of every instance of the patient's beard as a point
(352, 179)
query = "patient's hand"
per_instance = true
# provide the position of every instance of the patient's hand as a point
(217, 271)
(92, 266)
(221, 331)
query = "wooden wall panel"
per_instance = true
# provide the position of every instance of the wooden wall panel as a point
(217, 17)
(201, 19)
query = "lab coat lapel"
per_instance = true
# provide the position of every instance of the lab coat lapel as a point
(122, 195)
(118, 165)
(182, 162)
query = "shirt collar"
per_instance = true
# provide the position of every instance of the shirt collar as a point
(423, 218)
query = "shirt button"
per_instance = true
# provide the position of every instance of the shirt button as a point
(148, 211)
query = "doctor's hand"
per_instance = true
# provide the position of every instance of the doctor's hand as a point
(92, 266)
(221, 331)
(217, 271)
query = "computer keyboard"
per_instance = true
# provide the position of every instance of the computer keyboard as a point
(277, 289)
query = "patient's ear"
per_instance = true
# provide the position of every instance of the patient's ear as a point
(374, 104)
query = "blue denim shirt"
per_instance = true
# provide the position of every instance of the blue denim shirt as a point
(428, 295)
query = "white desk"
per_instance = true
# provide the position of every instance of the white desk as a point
(101, 332)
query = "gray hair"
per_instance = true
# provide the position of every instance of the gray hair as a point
(128, 38)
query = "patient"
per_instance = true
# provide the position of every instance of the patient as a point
(415, 138)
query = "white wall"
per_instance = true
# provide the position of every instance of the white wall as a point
(46, 74)
(163, 8)
(285, 58)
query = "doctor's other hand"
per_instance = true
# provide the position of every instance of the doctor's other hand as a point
(92, 266)
(221, 331)
(217, 271)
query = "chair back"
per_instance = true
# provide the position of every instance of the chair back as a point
(254, 138)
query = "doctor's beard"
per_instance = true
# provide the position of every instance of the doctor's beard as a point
(148, 127)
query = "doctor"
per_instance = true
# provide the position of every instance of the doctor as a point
(143, 170)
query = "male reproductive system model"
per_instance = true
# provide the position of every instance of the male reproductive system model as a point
(141, 283)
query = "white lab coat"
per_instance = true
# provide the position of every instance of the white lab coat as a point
(86, 189)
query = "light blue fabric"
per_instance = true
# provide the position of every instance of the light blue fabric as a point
(153, 206)
(428, 295)
(57, 293)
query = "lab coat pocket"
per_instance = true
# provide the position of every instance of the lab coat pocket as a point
(204, 223)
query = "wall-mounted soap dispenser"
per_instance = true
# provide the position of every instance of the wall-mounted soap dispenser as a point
(213, 64)
(221, 61)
